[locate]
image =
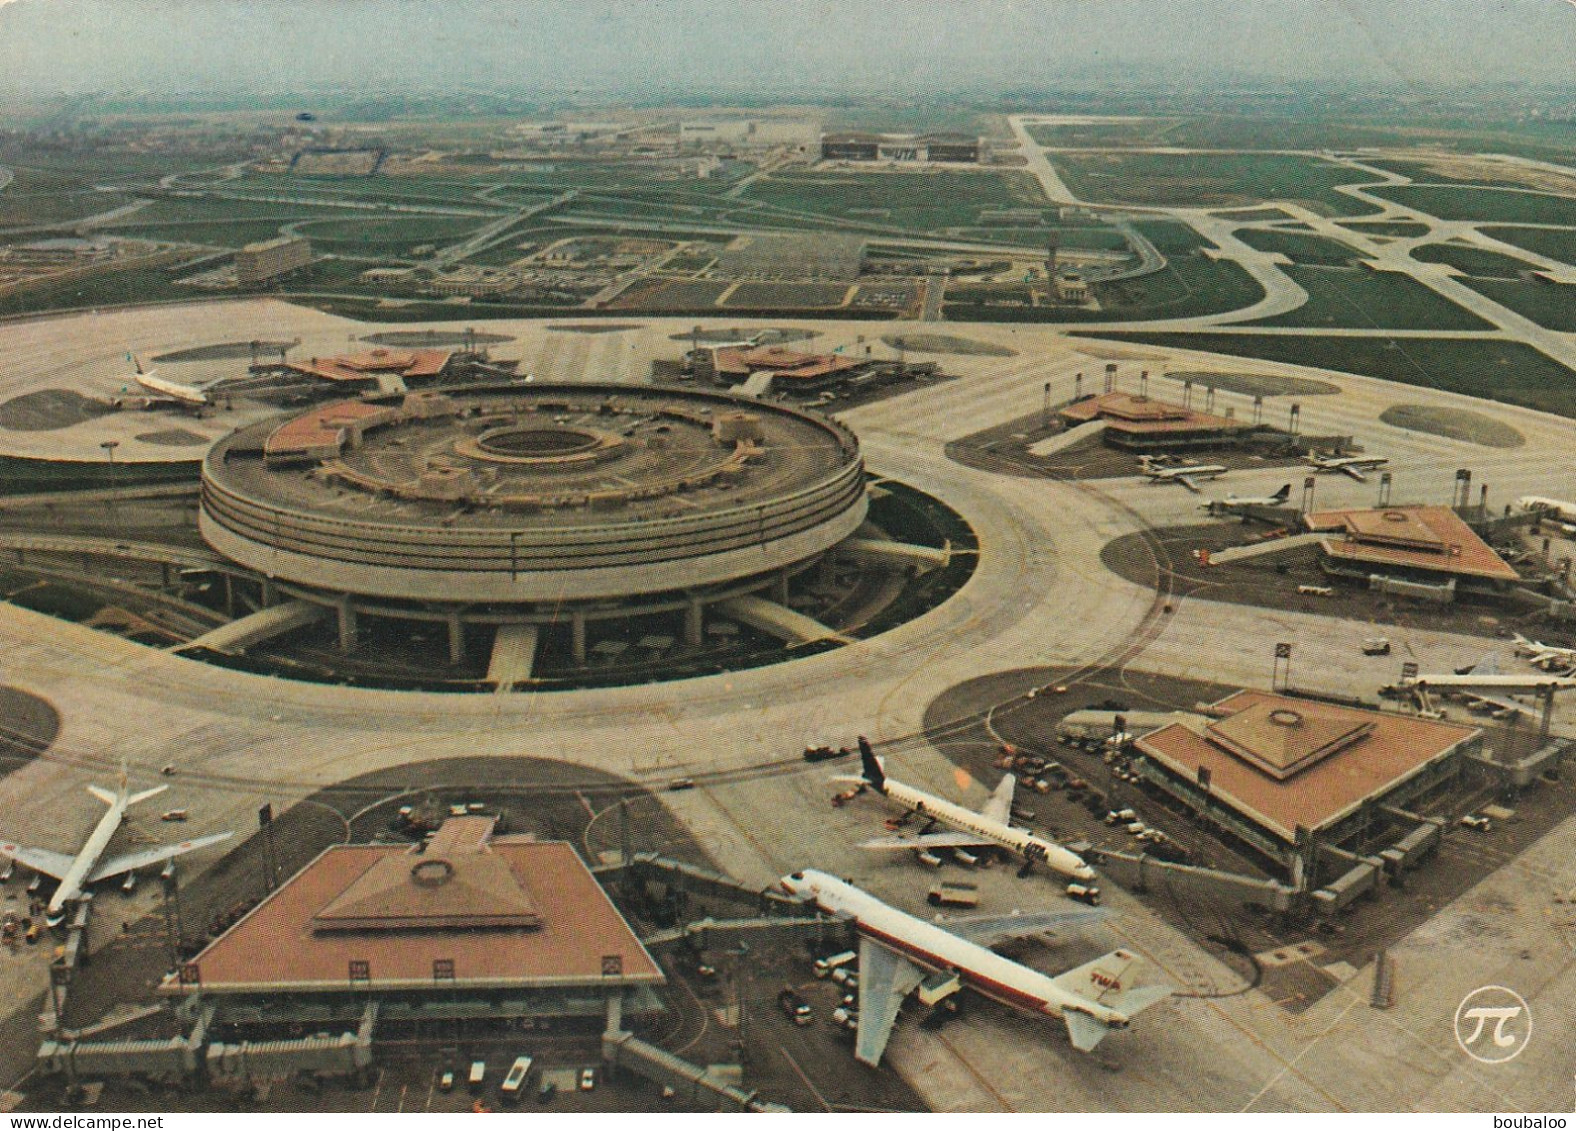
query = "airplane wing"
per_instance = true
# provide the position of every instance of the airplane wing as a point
(915, 842)
(1355, 473)
(885, 979)
(993, 930)
(999, 807)
(148, 856)
(1189, 484)
(55, 864)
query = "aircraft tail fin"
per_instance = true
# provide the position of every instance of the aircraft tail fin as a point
(1100, 980)
(1283, 494)
(873, 772)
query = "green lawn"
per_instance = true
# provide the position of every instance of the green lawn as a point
(1210, 179)
(1472, 260)
(1552, 305)
(1500, 206)
(47, 196)
(137, 284)
(1556, 243)
(1171, 237)
(1298, 247)
(1494, 370)
(1355, 298)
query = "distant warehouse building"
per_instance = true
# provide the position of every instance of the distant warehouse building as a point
(927, 148)
(259, 262)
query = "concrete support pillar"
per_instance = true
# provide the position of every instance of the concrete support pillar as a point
(349, 629)
(615, 1012)
(229, 596)
(164, 575)
(780, 588)
(826, 568)
(270, 593)
(577, 637)
(456, 639)
(694, 623)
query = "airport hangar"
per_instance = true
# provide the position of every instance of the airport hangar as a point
(531, 508)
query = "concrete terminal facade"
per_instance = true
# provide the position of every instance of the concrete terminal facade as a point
(532, 505)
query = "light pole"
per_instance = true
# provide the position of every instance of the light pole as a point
(1045, 407)
(109, 447)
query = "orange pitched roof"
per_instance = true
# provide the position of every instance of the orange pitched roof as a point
(1368, 753)
(1132, 413)
(280, 946)
(1418, 537)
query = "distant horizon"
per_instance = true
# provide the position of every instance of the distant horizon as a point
(612, 50)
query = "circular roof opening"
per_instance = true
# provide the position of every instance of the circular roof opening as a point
(1394, 516)
(433, 873)
(530, 442)
(1285, 717)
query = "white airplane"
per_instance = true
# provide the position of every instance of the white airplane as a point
(990, 827)
(174, 392)
(1549, 657)
(897, 951)
(1233, 503)
(1189, 475)
(1346, 465)
(1556, 508)
(76, 873)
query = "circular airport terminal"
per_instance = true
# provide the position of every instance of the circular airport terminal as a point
(556, 527)
(534, 494)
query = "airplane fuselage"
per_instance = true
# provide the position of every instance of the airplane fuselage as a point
(935, 949)
(1020, 842)
(92, 851)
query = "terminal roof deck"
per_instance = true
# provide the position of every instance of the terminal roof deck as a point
(1128, 412)
(1415, 537)
(506, 911)
(1285, 762)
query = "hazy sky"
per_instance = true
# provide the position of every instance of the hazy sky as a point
(618, 47)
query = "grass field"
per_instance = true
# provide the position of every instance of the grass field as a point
(136, 284)
(1555, 243)
(1472, 260)
(919, 202)
(47, 196)
(1494, 370)
(1552, 305)
(1495, 206)
(1171, 237)
(1209, 179)
(1355, 298)
(1298, 247)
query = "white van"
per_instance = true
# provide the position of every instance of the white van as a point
(515, 1080)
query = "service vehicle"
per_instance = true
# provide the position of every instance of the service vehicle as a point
(795, 1006)
(1084, 893)
(824, 966)
(478, 1074)
(587, 1079)
(950, 894)
(515, 1080)
(446, 1081)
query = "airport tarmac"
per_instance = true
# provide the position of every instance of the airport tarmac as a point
(1040, 597)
